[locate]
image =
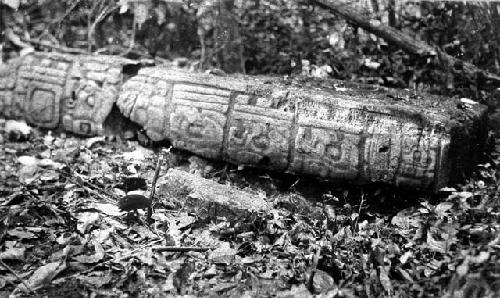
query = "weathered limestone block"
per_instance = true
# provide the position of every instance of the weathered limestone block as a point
(51, 90)
(308, 127)
(208, 198)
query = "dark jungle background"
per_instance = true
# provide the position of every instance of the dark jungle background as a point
(269, 36)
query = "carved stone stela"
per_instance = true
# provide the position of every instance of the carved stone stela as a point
(256, 121)
(285, 130)
(51, 90)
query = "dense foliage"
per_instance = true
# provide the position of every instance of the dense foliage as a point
(275, 36)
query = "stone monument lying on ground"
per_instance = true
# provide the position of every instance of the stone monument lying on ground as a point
(56, 90)
(330, 129)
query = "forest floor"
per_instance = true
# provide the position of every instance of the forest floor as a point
(62, 234)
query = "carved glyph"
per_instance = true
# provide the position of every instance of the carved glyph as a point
(94, 84)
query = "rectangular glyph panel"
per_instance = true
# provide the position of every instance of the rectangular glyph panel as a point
(259, 133)
(198, 118)
(40, 86)
(355, 142)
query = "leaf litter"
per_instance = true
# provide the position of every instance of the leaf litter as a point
(63, 234)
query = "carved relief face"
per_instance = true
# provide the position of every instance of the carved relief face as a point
(90, 101)
(86, 92)
(91, 105)
(43, 104)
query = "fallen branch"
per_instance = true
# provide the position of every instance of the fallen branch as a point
(58, 48)
(155, 178)
(361, 18)
(181, 249)
(127, 256)
(91, 188)
(17, 276)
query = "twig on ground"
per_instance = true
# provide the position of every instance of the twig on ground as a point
(122, 258)
(314, 267)
(17, 276)
(359, 210)
(92, 188)
(181, 249)
(155, 178)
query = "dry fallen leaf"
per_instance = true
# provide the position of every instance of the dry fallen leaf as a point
(93, 258)
(86, 220)
(107, 208)
(20, 233)
(44, 274)
(224, 254)
(322, 282)
(26, 160)
(13, 253)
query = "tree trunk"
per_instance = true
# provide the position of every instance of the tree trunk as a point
(228, 43)
(392, 13)
(495, 8)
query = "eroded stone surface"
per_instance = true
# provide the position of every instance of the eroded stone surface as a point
(10, 107)
(51, 90)
(284, 127)
(207, 197)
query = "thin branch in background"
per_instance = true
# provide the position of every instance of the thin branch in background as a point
(102, 10)
(59, 48)
(89, 34)
(102, 15)
(68, 11)
(495, 20)
(59, 20)
(132, 38)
